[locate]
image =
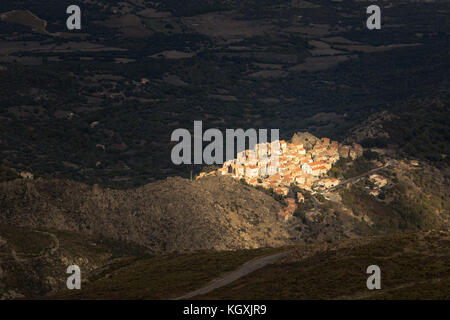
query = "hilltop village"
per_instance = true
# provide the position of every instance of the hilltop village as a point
(278, 165)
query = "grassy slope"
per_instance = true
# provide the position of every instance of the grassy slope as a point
(34, 262)
(417, 199)
(113, 269)
(164, 276)
(413, 266)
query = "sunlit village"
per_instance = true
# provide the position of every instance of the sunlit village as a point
(279, 165)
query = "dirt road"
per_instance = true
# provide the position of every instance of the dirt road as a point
(244, 270)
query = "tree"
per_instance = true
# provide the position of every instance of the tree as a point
(371, 155)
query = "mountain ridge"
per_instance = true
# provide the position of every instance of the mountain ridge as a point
(169, 215)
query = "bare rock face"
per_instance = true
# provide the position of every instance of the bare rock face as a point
(171, 215)
(306, 138)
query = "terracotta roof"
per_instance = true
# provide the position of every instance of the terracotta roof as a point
(282, 213)
(291, 207)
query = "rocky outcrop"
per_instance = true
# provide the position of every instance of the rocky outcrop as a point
(171, 215)
(306, 138)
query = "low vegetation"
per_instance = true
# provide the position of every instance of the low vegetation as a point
(6, 174)
(413, 266)
(164, 276)
(70, 85)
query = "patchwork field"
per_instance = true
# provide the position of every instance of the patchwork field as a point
(26, 18)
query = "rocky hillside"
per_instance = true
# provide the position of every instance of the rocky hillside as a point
(173, 214)
(306, 138)
(33, 262)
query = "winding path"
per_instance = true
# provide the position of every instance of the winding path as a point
(391, 163)
(244, 270)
